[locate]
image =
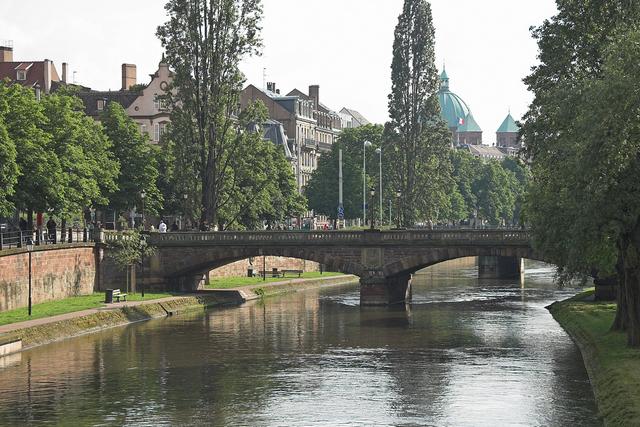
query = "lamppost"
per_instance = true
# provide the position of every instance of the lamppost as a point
(29, 249)
(365, 144)
(185, 196)
(373, 194)
(143, 246)
(379, 153)
(143, 195)
(398, 195)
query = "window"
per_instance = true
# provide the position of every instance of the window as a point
(100, 104)
(156, 102)
(21, 75)
(143, 129)
(156, 132)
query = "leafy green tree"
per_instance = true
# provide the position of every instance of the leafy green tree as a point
(8, 165)
(89, 168)
(582, 139)
(493, 188)
(417, 141)
(322, 188)
(205, 40)
(138, 162)
(39, 171)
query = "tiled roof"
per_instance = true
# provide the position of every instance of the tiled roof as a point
(469, 125)
(35, 72)
(359, 118)
(90, 99)
(486, 151)
(508, 125)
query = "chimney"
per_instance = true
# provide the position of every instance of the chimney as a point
(65, 72)
(314, 93)
(47, 75)
(6, 52)
(129, 76)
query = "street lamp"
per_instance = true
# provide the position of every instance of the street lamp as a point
(379, 153)
(143, 246)
(365, 144)
(398, 195)
(143, 195)
(29, 249)
(185, 196)
(373, 194)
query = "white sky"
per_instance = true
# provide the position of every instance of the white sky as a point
(345, 46)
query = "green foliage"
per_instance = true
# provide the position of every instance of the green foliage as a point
(207, 81)
(39, 170)
(129, 249)
(138, 162)
(583, 141)
(83, 150)
(8, 164)
(322, 189)
(417, 141)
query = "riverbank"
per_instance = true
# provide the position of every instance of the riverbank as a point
(614, 369)
(46, 330)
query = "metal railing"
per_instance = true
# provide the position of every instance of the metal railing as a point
(343, 237)
(19, 239)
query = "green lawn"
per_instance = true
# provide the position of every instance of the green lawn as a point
(616, 367)
(237, 282)
(67, 305)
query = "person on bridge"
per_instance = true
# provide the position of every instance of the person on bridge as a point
(162, 228)
(51, 229)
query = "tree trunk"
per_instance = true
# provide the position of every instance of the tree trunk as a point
(632, 288)
(620, 322)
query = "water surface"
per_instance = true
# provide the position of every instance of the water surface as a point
(467, 352)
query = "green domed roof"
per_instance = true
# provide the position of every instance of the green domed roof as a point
(469, 125)
(452, 107)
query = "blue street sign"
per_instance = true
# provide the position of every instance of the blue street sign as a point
(340, 212)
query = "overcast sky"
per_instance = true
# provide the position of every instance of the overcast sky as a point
(342, 45)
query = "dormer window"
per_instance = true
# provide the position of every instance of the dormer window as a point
(21, 75)
(100, 104)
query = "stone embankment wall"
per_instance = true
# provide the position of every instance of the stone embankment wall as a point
(55, 274)
(239, 268)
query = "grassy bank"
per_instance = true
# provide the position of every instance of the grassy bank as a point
(238, 282)
(67, 305)
(43, 334)
(614, 369)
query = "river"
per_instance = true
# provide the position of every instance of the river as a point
(467, 352)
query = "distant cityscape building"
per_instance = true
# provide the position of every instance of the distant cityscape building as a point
(141, 102)
(352, 119)
(42, 74)
(466, 133)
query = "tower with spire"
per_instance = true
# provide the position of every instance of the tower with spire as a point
(507, 134)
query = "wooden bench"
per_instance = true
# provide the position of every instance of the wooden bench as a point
(298, 272)
(271, 273)
(117, 295)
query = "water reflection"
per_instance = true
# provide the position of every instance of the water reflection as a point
(466, 352)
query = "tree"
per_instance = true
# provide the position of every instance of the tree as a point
(205, 41)
(8, 164)
(322, 188)
(129, 249)
(582, 140)
(417, 141)
(137, 159)
(39, 171)
(89, 168)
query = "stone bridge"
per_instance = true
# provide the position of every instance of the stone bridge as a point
(384, 260)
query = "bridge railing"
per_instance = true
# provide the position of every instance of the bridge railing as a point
(337, 237)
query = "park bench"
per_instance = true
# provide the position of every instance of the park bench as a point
(117, 295)
(298, 272)
(271, 273)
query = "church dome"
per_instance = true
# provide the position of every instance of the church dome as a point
(453, 109)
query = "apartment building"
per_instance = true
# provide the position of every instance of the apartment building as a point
(35, 74)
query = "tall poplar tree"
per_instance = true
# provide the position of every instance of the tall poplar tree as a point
(205, 40)
(417, 141)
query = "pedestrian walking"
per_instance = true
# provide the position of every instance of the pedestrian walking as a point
(162, 227)
(51, 229)
(174, 226)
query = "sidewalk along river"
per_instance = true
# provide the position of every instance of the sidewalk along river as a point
(467, 352)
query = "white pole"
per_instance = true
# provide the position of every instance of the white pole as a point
(380, 152)
(364, 183)
(340, 201)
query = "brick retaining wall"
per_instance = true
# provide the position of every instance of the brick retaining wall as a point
(56, 274)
